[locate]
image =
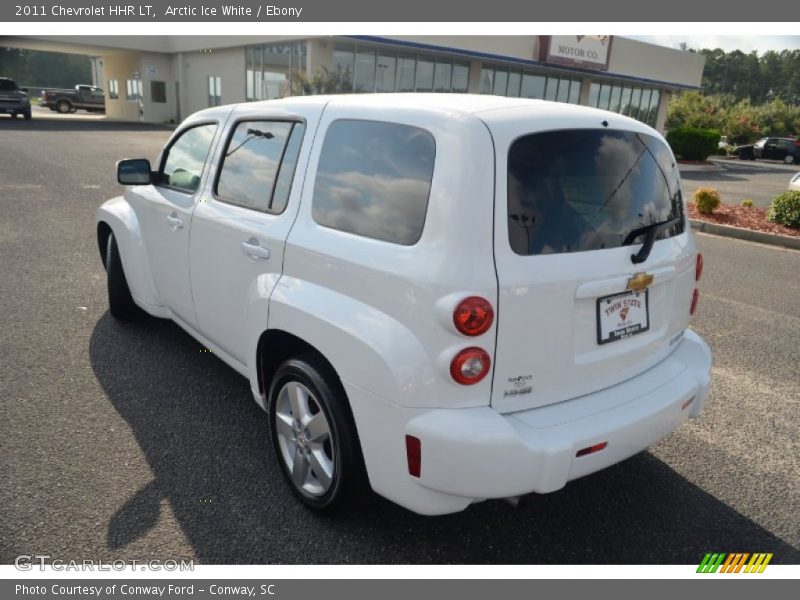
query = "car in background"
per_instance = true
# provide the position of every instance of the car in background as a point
(794, 184)
(776, 148)
(85, 97)
(13, 99)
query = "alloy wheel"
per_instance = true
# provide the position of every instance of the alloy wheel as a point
(305, 439)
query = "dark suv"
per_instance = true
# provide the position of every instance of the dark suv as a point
(785, 149)
(13, 100)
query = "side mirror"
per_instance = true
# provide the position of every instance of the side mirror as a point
(134, 171)
(23, 90)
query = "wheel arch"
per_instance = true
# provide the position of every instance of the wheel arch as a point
(116, 216)
(276, 346)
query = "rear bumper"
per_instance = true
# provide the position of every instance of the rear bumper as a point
(477, 453)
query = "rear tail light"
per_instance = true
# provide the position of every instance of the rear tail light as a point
(698, 270)
(470, 366)
(695, 298)
(414, 455)
(473, 316)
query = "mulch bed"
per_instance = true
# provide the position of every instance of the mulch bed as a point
(742, 216)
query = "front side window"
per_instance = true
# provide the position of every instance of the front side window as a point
(183, 164)
(374, 179)
(258, 165)
(578, 190)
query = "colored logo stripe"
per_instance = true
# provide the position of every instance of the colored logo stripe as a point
(734, 562)
(710, 563)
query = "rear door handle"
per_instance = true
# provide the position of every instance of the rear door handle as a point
(254, 250)
(175, 222)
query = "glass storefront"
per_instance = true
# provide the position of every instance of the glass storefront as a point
(271, 69)
(372, 69)
(502, 81)
(281, 69)
(632, 101)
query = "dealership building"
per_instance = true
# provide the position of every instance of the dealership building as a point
(166, 78)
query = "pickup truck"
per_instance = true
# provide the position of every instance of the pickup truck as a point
(14, 99)
(86, 97)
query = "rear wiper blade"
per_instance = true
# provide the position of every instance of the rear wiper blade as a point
(650, 232)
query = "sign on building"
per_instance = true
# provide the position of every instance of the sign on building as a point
(589, 51)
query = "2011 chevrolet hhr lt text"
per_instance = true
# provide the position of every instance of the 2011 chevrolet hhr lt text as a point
(446, 298)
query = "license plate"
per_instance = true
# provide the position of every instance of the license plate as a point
(621, 316)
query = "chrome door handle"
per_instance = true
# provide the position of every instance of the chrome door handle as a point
(175, 222)
(254, 250)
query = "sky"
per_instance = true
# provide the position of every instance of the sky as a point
(745, 43)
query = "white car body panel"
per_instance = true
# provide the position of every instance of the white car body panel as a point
(552, 297)
(382, 313)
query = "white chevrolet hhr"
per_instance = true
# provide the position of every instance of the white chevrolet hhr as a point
(446, 298)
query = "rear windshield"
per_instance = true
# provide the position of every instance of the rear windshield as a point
(587, 189)
(7, 85)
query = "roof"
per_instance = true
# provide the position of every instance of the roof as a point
(490, 109)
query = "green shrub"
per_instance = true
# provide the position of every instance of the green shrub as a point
(693, 143)
(706, 200)
(785, 209)
(747, 203)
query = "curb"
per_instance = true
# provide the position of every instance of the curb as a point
(748, 235)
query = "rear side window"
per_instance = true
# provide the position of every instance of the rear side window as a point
(258, 165)
(186, 157)
(374, 179)
(577, 190)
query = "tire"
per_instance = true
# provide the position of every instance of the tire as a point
(120, 301)
(27, 114)
(63, 106)
(790, 159)
(312, 429)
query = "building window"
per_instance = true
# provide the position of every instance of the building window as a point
(406, 67)
(158, 91)
(113, 89)
(636, 102)
(386, 70)
(133, 89)
(214, 90)
(275, 71)
(460, 83)
(501, 81)
(364, 74)
(370, 69)
(424, 80)
(533, 86)
(442, 76)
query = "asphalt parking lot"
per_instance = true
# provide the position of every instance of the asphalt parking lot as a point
(129, 442)
(737, 180)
